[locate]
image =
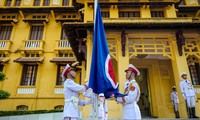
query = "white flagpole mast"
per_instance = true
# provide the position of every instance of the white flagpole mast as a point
(95, 104)
(95, 107)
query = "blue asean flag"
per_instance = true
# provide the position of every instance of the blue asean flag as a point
(102, 79)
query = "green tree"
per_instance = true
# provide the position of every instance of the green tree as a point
(3, 94)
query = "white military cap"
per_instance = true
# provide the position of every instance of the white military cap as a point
(132, 68)
(173, 87)
(183, 73)
(101, 95)
(66, 70)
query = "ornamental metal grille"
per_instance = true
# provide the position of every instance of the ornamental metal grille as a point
(192, 53)
(155, 45)
(192, 46)
(112, 46)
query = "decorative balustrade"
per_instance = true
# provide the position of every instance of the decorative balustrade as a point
(191, 46)
(146, 44)
(197, 89)
(25, 90)
(147, 0)
(62, 45)
(30, 3)
(58, 91)
(33, 45)
(5, 45)
(148, 20)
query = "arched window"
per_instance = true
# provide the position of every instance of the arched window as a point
(59, 107)
(22, 108)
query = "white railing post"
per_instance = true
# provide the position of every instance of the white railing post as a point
(3, 44)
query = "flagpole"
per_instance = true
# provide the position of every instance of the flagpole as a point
(102, 78)
(95, 116)
(96, 112)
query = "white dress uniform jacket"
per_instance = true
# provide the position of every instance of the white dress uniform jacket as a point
(131, 110)
(187, 88)
(175, 100)
(174, 97)
(72, 101)
(126, 85)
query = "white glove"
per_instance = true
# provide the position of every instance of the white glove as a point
(106, 116)
(88, 93)
(87, 83)
(119, 100)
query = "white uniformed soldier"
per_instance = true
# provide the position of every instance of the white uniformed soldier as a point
(131, 110)
(102, 105)
(188, 93)
(175, 101)
(71, 89)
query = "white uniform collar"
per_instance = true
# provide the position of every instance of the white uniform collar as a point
(69, 79)
(186, 80)
(133, 80)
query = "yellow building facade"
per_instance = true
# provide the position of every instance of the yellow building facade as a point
(39, 37)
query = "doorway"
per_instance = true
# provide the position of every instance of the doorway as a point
(144, 102)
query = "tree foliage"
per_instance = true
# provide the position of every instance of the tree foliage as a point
(2, 76)
(3, 94)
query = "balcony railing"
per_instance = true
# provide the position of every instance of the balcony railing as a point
(5, 45)
(148, 20)
(62, 45)
(197, 90)
(33, 45)
(58, 90)
(25, 90)
(59, 3)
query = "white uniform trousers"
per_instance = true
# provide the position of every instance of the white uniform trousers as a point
(175, 107)
(190, 101)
